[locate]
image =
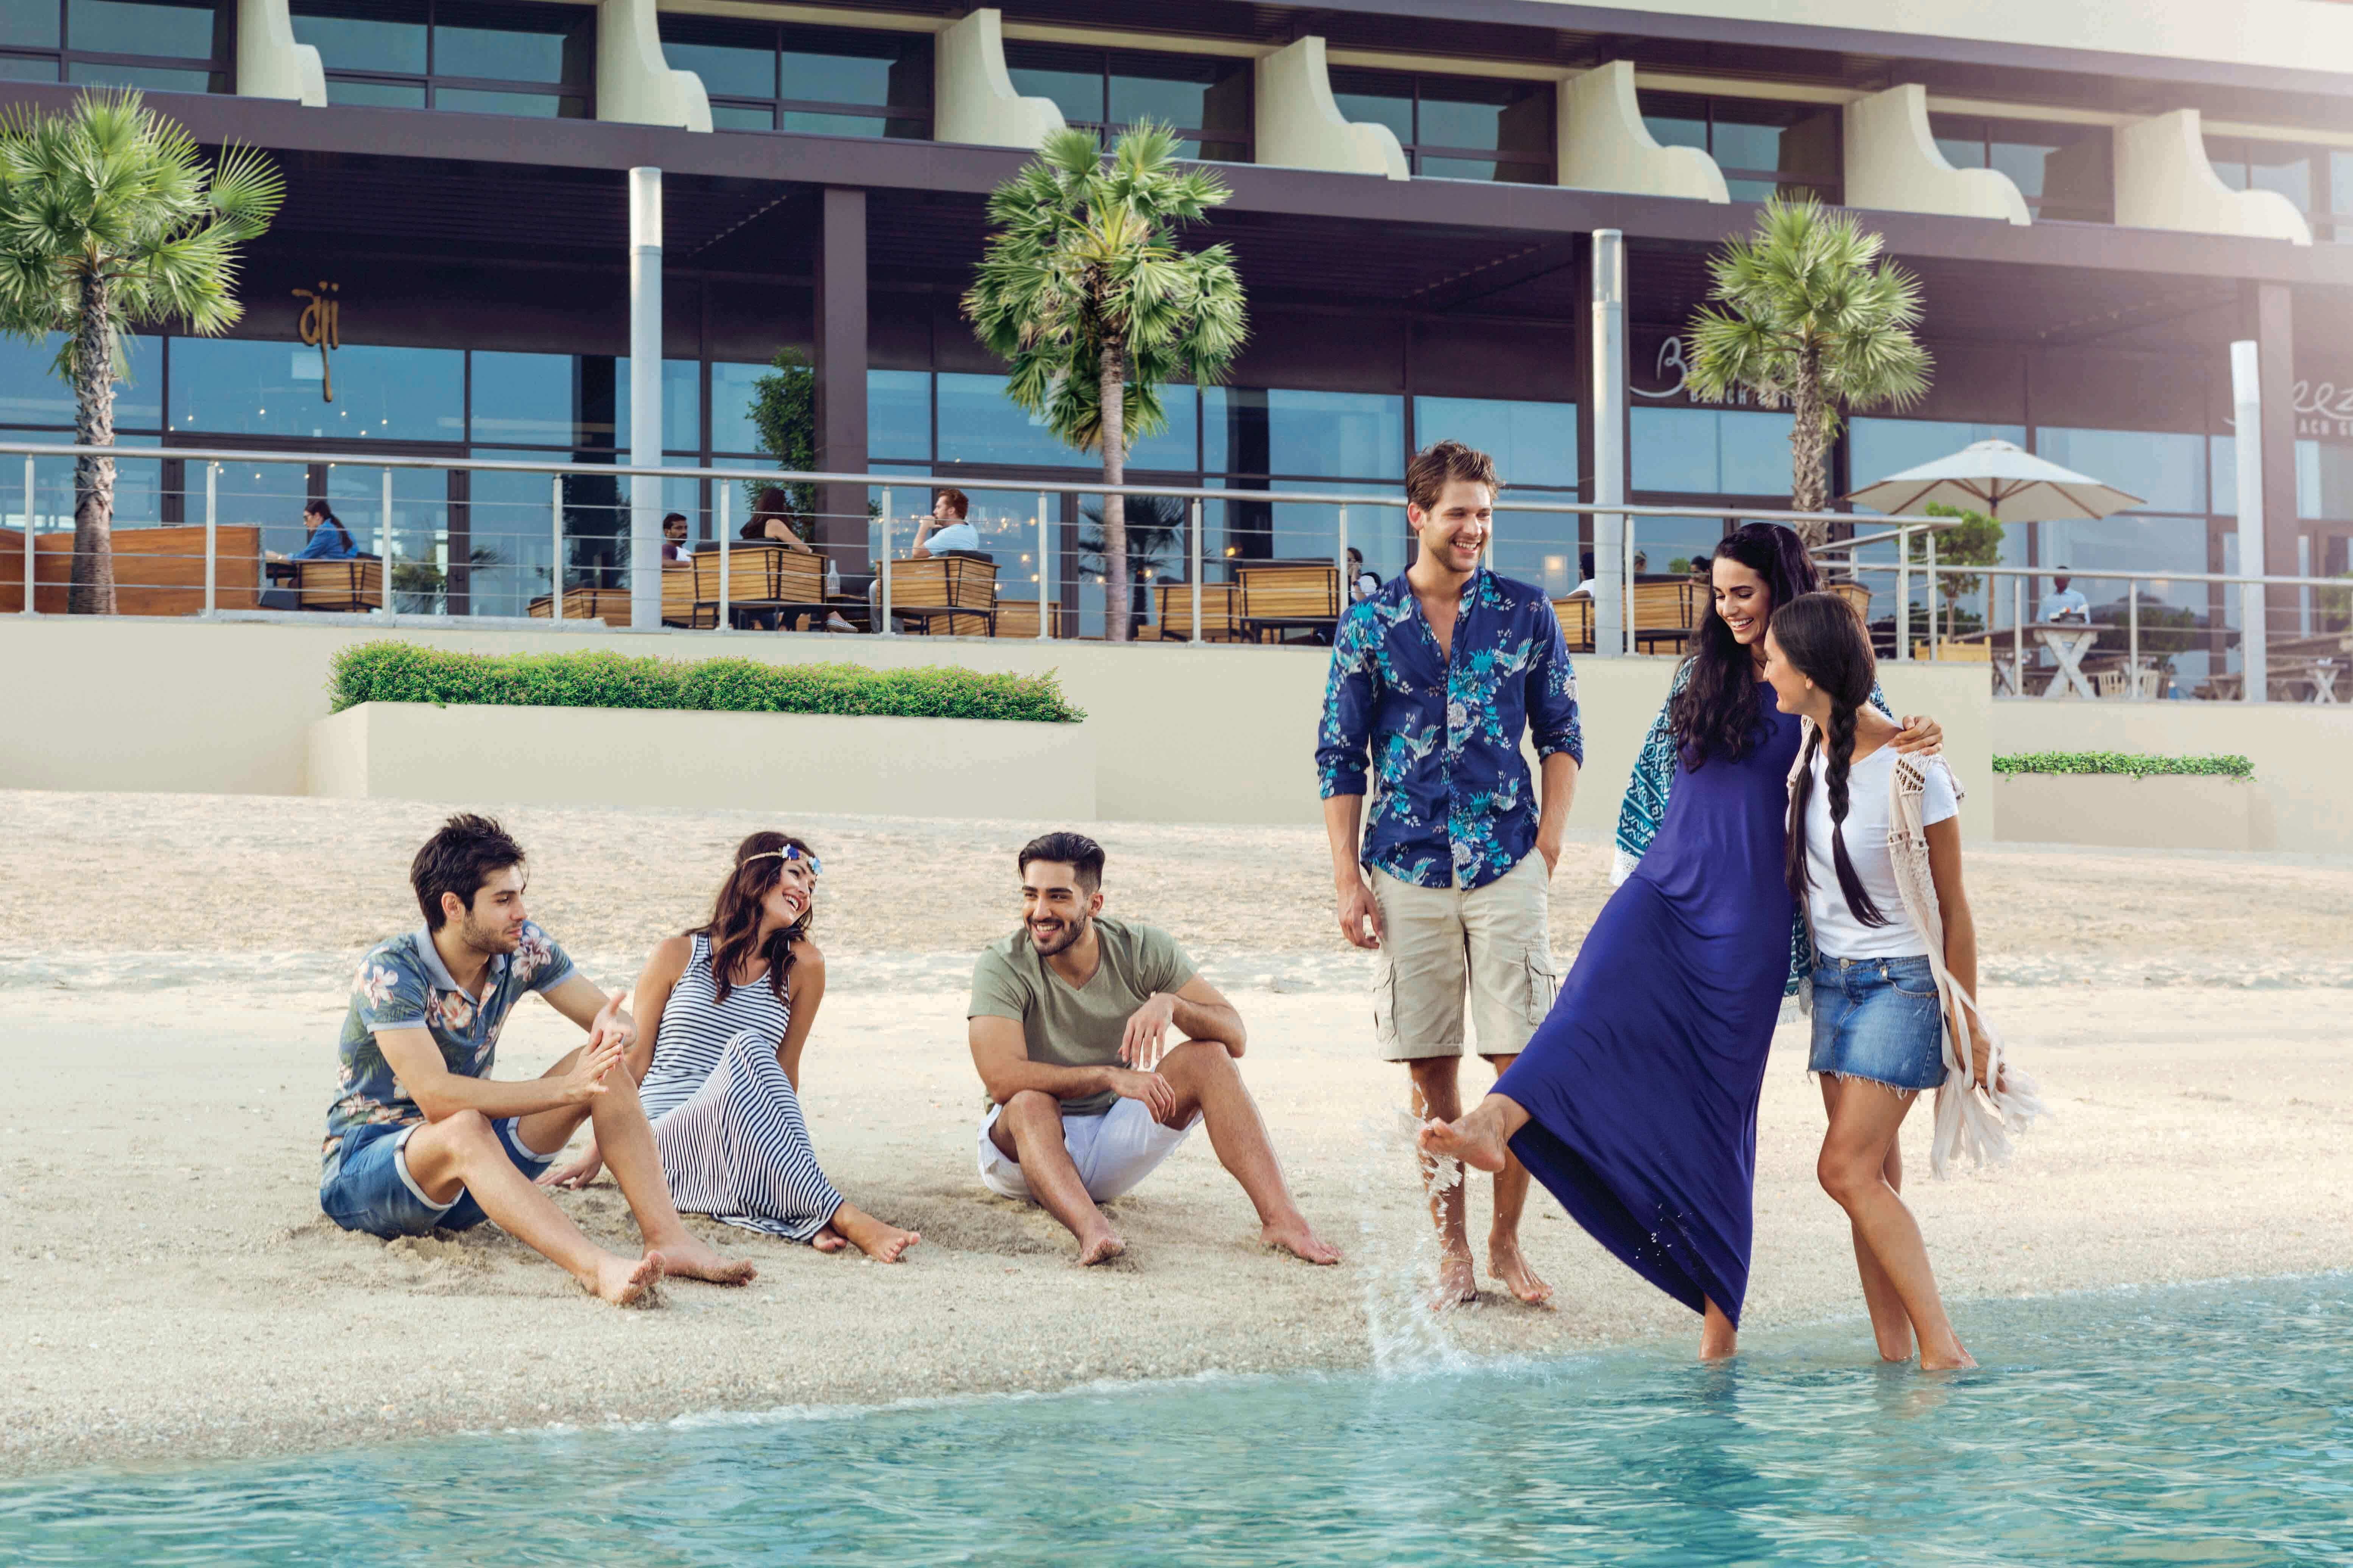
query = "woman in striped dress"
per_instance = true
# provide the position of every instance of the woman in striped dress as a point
(723, 1012)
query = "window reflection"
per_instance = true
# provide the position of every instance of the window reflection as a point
(239, 387)
(1455, 127)
(476, 56)
(1711, 451)
(156, 46)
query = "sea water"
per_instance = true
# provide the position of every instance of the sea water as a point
(2184, 1426)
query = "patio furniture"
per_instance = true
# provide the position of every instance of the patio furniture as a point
(2068, 641)
(1279, 596)
(352, 585)
(1172, 611)
(765, 577)
(1576, 614)
(1856, 594)
(958, 589)
(1019, 618)
(1665, 612)
(157, 570)
(1952, 650)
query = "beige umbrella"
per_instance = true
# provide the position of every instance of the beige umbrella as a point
(2000, 479)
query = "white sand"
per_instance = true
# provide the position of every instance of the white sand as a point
(170, 992)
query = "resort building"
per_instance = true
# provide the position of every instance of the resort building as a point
(2098, 199)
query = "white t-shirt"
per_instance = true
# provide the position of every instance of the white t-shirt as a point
(1836, 931)
(2065, 604)
(952, 536)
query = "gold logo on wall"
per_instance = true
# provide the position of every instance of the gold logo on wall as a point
(321, 326)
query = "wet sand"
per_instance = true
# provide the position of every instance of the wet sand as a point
(170, 989)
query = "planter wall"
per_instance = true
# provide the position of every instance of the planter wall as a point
(783, 762)
(2167, 812)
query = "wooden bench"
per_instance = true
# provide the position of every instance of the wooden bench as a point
(1172, 611)
(353, 584)
(1277, 597)
(959, 589)
(157, 570)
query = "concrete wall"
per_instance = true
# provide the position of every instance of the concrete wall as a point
(813, 762)
(1299, 125)
(2164, 181)
(2303, 755)
(2164, 812)
(634, 80)
(1603, 144)
(270, 63)
(1181, 734)
(1893, 164)
(973, 99)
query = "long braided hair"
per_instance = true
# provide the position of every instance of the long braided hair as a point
(1717, 712)
(1823, 640)
(734, 924)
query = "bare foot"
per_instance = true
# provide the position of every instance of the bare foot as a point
(828, 1240)
(1475, 1140)
(1296, 1237)
(883, 1243)
(629, 1282)
(690, 1259)
(1458, 1282)
(1506, 1262)
(1946, 1363)
(1101, 1250)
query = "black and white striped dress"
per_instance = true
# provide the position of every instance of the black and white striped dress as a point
(726, 1120)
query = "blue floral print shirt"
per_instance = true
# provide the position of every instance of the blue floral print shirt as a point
(1443, 729)
(404, 985)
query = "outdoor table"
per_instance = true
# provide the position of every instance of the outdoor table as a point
(2068, 641)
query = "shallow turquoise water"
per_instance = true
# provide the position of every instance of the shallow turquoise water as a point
(2210, 1425)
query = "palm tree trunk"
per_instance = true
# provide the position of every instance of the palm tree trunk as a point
(92, 592)
(1809, 473)
(1117, 617)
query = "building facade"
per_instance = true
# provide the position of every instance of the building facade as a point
(2097, 207)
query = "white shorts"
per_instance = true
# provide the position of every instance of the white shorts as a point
(1113, 1151)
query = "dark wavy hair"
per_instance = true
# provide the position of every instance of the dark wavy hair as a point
(1716, 714)
(734, 924)
(1824, 640)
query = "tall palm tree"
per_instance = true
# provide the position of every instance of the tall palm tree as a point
(110, 219)
(1814, 319)
(1085, 293)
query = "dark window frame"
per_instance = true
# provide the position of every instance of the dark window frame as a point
(1243, 142)
(2237, 153)
(220, 66)
(1416, 148)
(583, 92)
(1985, 132)
(1829, 188)
(777, 106)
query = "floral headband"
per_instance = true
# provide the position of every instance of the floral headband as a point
(789, 852)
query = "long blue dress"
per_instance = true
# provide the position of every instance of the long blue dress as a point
(1642, 1086)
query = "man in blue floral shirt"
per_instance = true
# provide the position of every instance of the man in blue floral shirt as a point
(1434, 678)
(420, 1137)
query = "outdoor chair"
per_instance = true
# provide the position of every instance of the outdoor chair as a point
(959, 589)
(1172, 611)
(1665, 612)
(1856, 594)
(1277, 597)
(582, 602)
(1576, 614)
(763, 577)
(1019, 618)
(353, 584)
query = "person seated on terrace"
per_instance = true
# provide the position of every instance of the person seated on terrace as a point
(2063, 602)
(420, 1138)
(772, 518)
(1584, 577)
(945, 531)
(1068, 1023)
(674, 546)
(326, 538)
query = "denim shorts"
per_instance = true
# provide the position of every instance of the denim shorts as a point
(372, 1190)
(1878, 1018)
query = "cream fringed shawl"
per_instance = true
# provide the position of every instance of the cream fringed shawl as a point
(1979, 1124)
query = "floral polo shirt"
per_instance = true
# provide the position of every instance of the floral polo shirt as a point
(1443, 729)
(404, 985)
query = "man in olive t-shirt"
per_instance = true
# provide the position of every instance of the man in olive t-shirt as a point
(1069, 1019)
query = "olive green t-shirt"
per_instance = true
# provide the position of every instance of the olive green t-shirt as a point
(1084, 1027)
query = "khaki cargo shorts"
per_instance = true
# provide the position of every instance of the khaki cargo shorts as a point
(1494, 940)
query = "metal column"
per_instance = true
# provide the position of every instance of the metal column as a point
(645, 394)
(2247, 409)
(1609, 547)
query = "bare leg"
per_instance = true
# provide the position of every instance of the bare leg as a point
(1505, 1261)
(1718, 1339)
(1029, 1132)
(1438, 1097)
(1480, 1140)
(1889, 1324)
(882, 1243)
(1206, 1079)
(627, 1142)
(1853, 1168)
(461, 1152)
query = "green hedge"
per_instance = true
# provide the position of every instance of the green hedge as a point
(2134, 765)
(407, 672)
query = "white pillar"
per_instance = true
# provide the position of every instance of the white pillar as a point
(645, 394)
(2247, 409)
(1609, 441)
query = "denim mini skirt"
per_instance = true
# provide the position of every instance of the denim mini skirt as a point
(1878, 1018)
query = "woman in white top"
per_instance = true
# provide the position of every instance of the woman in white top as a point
(1879, 1013)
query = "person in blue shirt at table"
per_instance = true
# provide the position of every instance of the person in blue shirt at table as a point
(2063, 602)
(1434, 678)
(326, 537)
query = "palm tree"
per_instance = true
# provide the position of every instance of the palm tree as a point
(110, 219)
(1155, 525)
(1085, 294)
(1814, 319)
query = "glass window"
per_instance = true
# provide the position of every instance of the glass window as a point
(542, 399)
(2064, 172)
(2324, 480)
(1711, 451)
(32, 394)
(979, 424)
(1534, 444)
(1763, 147)
(138, 487)
(815, 80)
(1310, 434)
(2167, 470)
(1457, 126)
(898, 414)
(1880, 449)
(2340, 194)
(476, 56)
(238, 387)
(1177, 447)
(1205, 98)
(161, 45)
(2318, 181)
(682, 405)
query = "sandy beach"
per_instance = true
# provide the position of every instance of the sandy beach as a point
(172, 973)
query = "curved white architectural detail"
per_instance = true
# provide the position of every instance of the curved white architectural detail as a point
(1300, 127)
(1605, 146)
(972, 101)
(270, 63)
(2163, 181)
(634, 82)
(1893, 164)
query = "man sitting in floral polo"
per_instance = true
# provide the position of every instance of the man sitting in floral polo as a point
(420, 1138)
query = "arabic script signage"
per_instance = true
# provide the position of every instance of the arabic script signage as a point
(321, 326)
